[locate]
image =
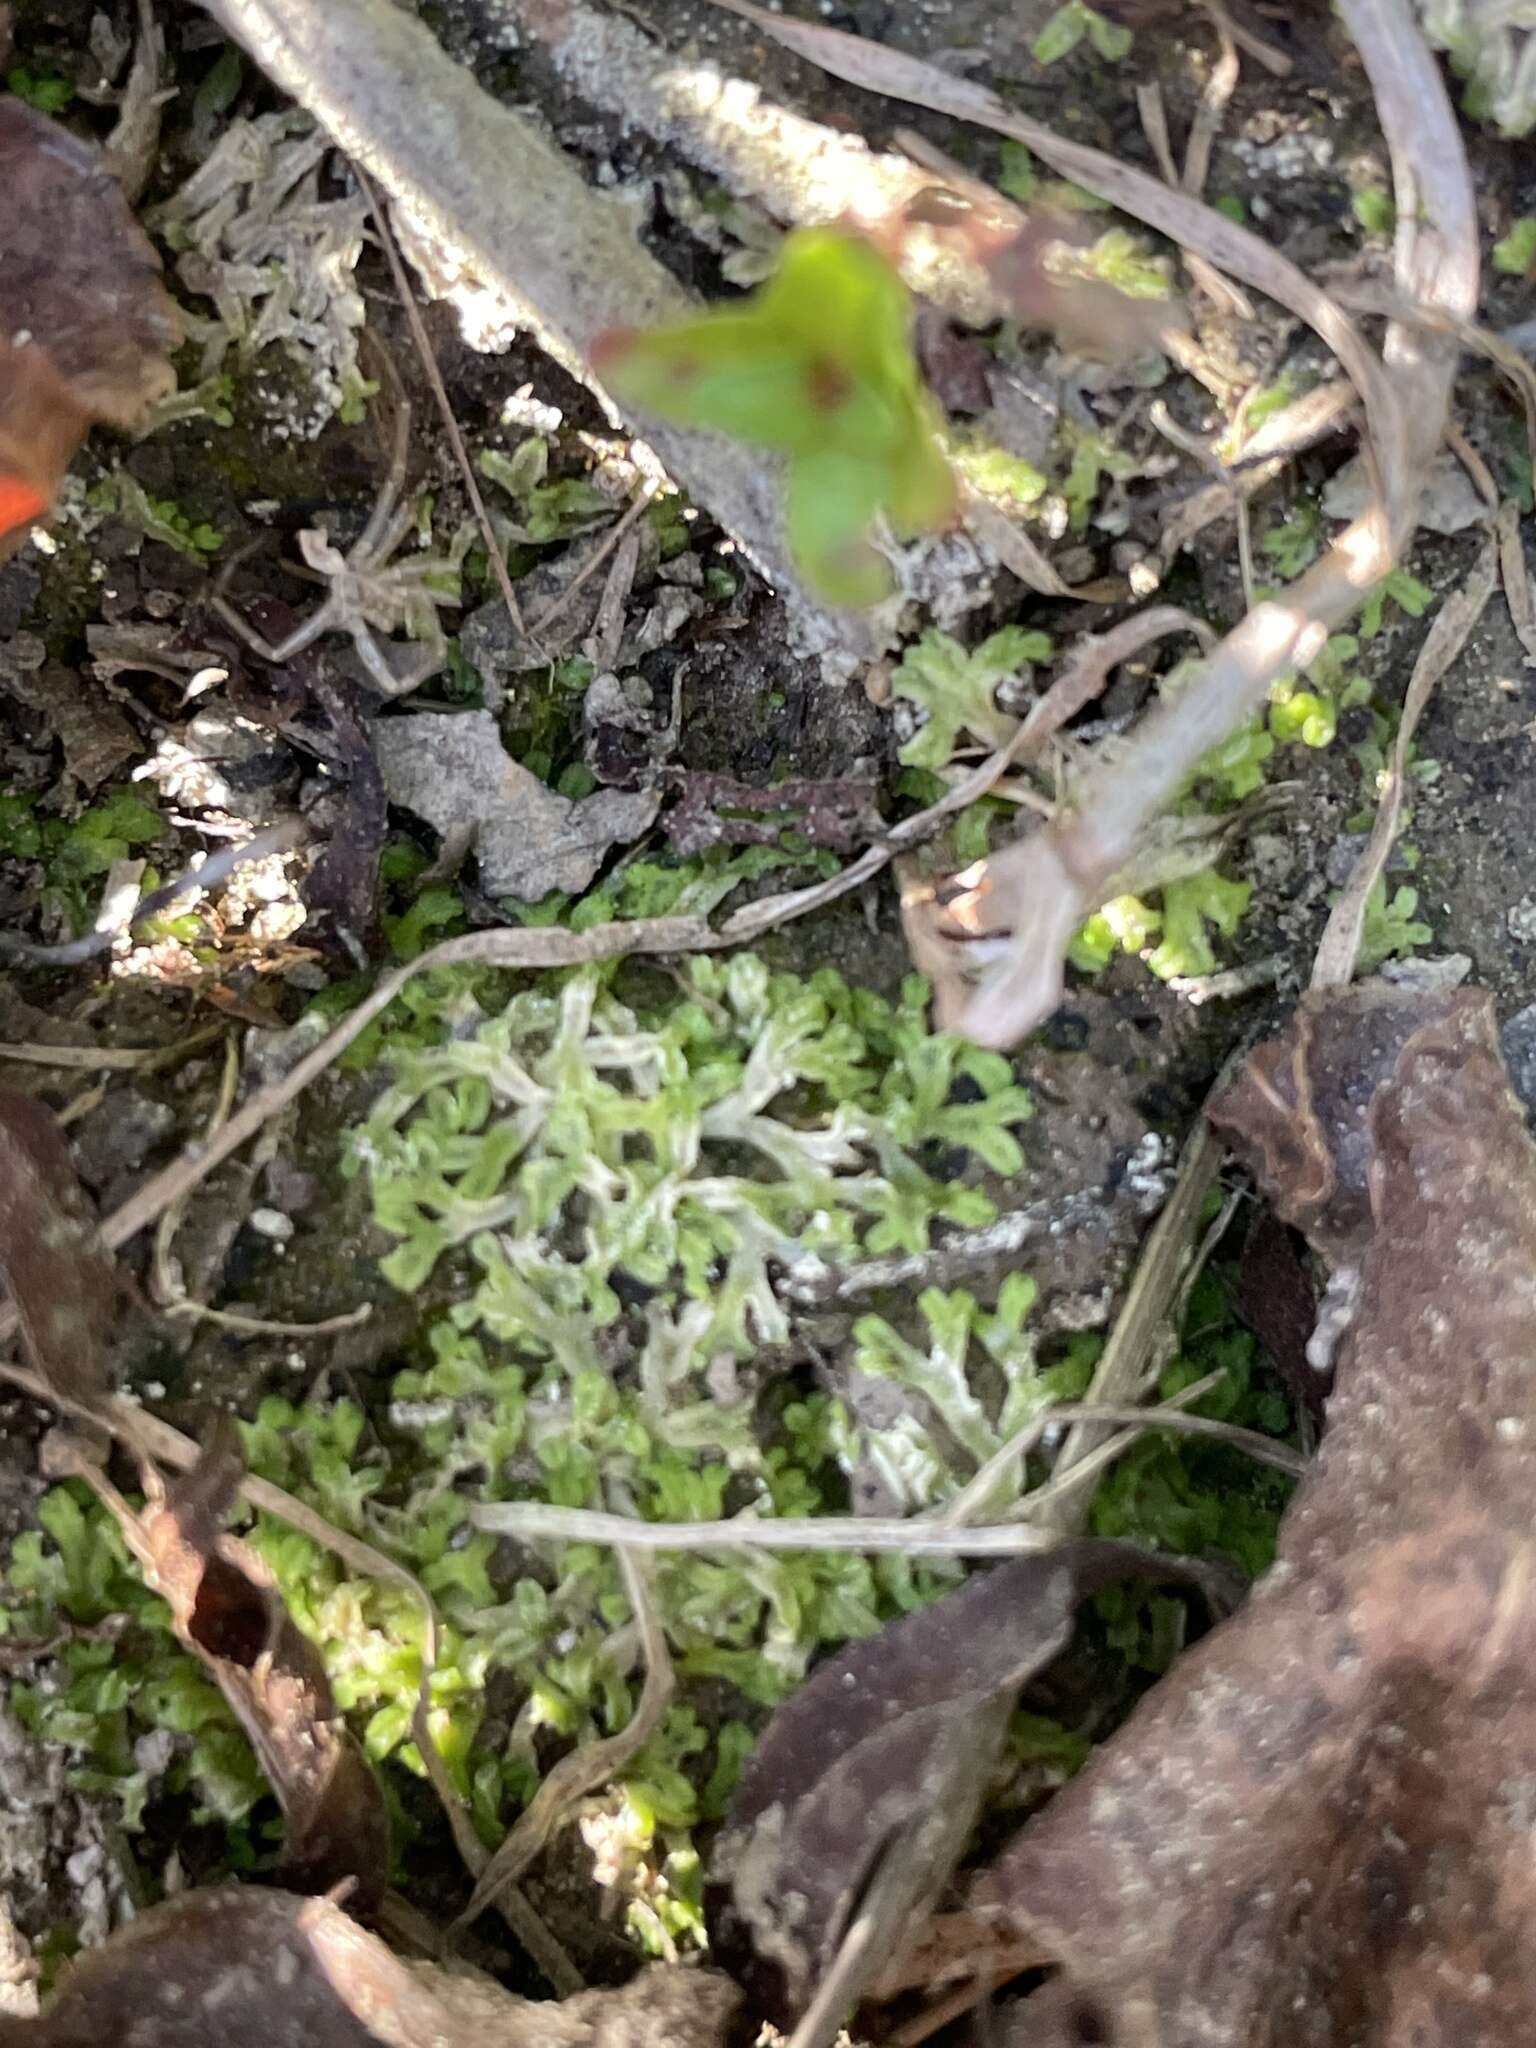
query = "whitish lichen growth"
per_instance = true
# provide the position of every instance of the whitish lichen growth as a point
(627, 1187)
(1492, 45)
(253, 236)
(622, 1185)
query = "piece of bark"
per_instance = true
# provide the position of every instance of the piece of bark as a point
(1318, 1828)
(450, 768)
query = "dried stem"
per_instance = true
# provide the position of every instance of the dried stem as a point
(434, 377)
(587, 1769)
(1339, 949)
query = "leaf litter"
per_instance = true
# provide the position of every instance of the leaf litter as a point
(1178, 1989)
(89, 325)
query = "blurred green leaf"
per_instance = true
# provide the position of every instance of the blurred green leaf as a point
(818, 364)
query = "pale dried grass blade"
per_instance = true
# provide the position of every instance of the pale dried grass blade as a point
(1306, 420)
(1206, 125)
(1274, 61)
(1477, 470)
(595, 1764)
(1340, 946)
(1497, 349)
(1517, 578)
(1141, 1335)
(536, 1522)
(1015, 550)
(1154, 125)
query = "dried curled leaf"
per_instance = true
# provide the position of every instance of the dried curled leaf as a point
(83, 293)
(226, 1608)
(243, 1967)
(1318, 1827)
(53, 1264)
(1299, 1111)
(870, 1778)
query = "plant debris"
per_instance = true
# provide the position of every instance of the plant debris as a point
(858, 1800)
(247, 1967)
(736, 1260)
(719, 810)
(1306, 1830)
(88, 327)
(62, 1280)
(226, 1609)
(452, 770)
(1012, 916)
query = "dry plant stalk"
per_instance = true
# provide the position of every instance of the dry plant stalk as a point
(1339, 949)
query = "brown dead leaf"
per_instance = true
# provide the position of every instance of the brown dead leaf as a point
(87, 327)
(226, 1608)
(54, 1266)
(1317, 1828)
(855, 1806)
(82, 278)
(717, 810)
(244, 1967)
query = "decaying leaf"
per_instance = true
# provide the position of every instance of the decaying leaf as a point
(717, 810)
(226, 1608)
(244, 1967)
(87, 326)
(53, 1264)
(41, 426)
(1277, 1299)
(870, 1778)
(1318, 1828)
(452, 769)
(312, 703)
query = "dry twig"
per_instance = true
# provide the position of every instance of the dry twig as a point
(434, 377)
(1340, 945)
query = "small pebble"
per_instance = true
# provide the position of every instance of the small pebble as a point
(271, 1223)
